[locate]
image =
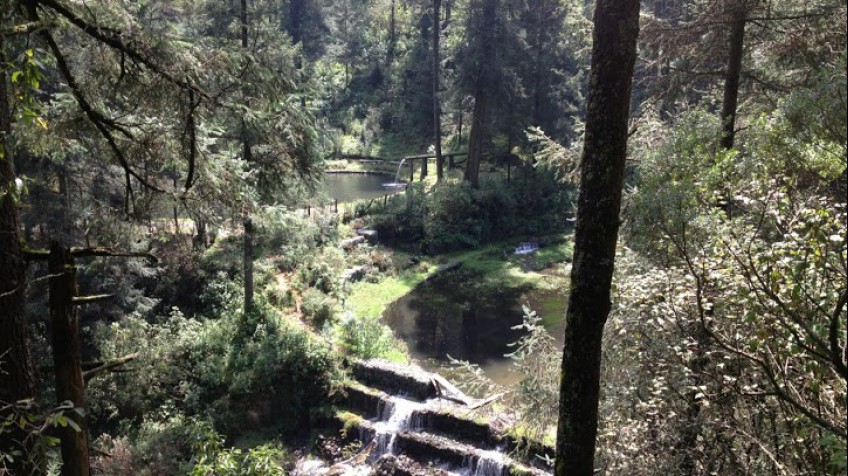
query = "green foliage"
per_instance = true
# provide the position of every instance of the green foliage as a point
(536, 356)
(547, 152)
(175, 444)
(457, 216)
(270, 356)
(534, 400)
(25, 77)
(287, 236)
(318, 308)
(366, 337)
(179, 365)
(210, 458)
(197, 366)
(323, 271)
(32, 431)
(403, 220)
(454, 219)
(733, 302)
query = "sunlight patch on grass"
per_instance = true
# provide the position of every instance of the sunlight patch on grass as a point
(370, 299)
(496, 263)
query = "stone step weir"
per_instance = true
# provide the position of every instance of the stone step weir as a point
(414, 414)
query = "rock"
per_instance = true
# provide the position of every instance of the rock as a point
(370, 235)
(362, 400)
(349, 243)
(444, 269)
(391, 465)
(354, 274)
(396, 379)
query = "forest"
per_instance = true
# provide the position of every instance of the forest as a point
(423, 237)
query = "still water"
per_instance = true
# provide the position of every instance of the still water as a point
(454, 315)
(352, 187)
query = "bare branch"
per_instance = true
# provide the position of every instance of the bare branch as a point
(110, 366)
(109, 252)
(25, 28)
(837, 353)
(80, 300)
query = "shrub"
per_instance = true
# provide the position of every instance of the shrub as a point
(269, 357)
(211, 458)
(453, 220)
(323, 272)
(365, 337)
(457, 216)
(178, 365)
(186, 365)
(318, 308)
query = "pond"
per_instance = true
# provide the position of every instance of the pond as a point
(456, 315)
(350, 187)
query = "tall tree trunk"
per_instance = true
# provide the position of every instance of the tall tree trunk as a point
(538, 46)
(459, 124)
(437, 112)
(246, 156)
(243, 23)
(392, 34)
(67, 358)
(616, 27)
(482, 82)
(733, 71)
(64, 181)
(475, 139)
(294, 25)
(248, 264)
(18, 373)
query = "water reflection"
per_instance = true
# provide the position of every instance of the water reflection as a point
(351, 187)
(459, 316)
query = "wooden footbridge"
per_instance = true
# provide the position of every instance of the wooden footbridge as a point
(407, 160)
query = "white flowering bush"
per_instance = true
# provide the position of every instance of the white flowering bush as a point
(725, 353)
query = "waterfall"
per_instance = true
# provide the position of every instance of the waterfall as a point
(397, 174)
(397, 183)
(486, 463)
(394, 415)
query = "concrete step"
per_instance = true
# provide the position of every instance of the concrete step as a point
(435, 450)
(441, 421)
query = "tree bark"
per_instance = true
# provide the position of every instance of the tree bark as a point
(732, 72)
(392, 34)
(243, 23)
(538, 47)
(475, 139)
(458, 141)
(616, 28)
(246, 156)
(294, 25)
(67, 358)
(248, 264)
(437, 112)
(18, 373)
(481, 83)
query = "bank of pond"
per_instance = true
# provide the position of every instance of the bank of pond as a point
(474, 311)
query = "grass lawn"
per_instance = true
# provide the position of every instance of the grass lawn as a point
(495, 262)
